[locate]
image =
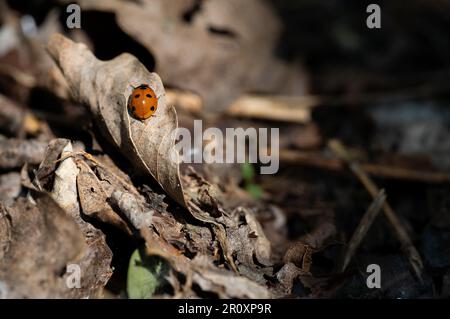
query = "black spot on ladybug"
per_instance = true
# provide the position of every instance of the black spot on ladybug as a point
(133, 109)
(152, 108)
(148, 95)
(137, 95)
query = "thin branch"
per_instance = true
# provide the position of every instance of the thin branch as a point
(295, 109)
(363, 228)
(413, 256)
(315, 159)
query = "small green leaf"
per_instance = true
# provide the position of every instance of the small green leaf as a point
(145, 275)
(248, 172)
(254, 190)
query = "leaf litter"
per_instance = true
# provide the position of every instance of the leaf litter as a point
(208, 230)
(104, 87)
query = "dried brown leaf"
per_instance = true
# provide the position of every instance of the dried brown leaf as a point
(60, 170)
(217, 48)
(10, 186)
(93, 198)
(37, 242)
(105, 87)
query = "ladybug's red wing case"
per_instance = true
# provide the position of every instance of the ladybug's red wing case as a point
(142, 102)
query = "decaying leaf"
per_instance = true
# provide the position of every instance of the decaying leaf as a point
(226, 284)
(252, 249)
(59, 175)
(37, 242)
(202, 272)
(93, 198)
(10, 186)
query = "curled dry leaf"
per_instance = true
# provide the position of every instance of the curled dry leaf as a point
(173, 231)
(105, 87)
(286, 276)
(252, 249)
(227, 48)
(93, 198)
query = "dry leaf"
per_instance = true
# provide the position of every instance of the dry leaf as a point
(227, 48)
(93, 198)
(252, 249)
(61, 181)
(37, 241)
(105, 87)
(10, 186)
(202, 272)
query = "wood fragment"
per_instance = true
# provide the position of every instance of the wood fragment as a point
(296, 109)
(407, 246)
(185, 100)
(363, 228)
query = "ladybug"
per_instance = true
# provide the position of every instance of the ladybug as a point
(142, 102)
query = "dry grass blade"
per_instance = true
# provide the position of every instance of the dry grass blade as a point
(363, 228)
(400, 232)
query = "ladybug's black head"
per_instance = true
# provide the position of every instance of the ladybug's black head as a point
(142, 86)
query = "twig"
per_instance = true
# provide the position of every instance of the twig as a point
(278, 108)
(188, 101)
(298, 109)
(315, 159)
(15, 153)
(407, 245)
(362, 229)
